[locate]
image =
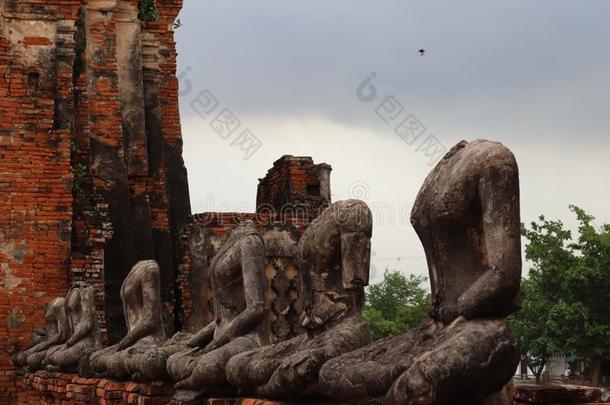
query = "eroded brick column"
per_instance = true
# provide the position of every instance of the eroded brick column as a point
(165, 141)
(157, 186)
(131, 93)
(91, 226)
(107, 153)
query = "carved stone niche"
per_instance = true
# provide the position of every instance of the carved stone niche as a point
(467, 218)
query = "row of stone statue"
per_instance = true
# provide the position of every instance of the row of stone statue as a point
(467, 218)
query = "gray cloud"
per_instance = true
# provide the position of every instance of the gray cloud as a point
(531, 74)
(490, 64)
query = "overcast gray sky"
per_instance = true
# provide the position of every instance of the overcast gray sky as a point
(533, 75)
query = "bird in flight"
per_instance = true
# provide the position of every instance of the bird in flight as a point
(422, 52)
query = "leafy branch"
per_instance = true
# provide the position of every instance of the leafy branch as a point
(148, 11)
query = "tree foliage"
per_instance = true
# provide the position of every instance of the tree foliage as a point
(566, 293)
(530, 327)
(396, 304)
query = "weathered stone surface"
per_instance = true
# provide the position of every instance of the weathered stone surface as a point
(150, 365)
(425, 361)
(556, 394)
(237, 274)
(141, 298)
(80, 308)
(57, 330)
(333, 257)
(203, 240)
(467, 218)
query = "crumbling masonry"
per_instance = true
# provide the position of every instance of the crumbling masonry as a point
(91, 172)
(92, 177)
(93, 182)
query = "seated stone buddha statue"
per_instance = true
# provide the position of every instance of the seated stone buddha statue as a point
(141, 298)
(237, 274)
(80, 308)
(57, 330)
(333, 257)
(467, 218)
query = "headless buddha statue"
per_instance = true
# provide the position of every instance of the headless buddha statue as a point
(141, 298)
(467, 218)
(237, 274)
(80, 308)
(333, 257)
(57, 331)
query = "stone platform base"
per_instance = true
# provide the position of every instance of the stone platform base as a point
(50, 388)
(557, 394)
(47, 388)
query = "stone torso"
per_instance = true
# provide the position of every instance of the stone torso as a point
(133, 296)
(322, 248)
(448, 219)
(55, 314)
(228, 282)
(77, 314)
(75, 309)
(329, 293)
(51, 327)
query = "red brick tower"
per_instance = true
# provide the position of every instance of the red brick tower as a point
(91, 169)
(295, 185)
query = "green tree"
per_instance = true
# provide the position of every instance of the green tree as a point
(396, 304)
(566, 293)
(531, 328)
(588, 293)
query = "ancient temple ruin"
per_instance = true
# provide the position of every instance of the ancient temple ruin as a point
(112, 291)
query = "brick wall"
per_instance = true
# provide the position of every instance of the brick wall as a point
(91, 169)
(36, 55)
(43, 388)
